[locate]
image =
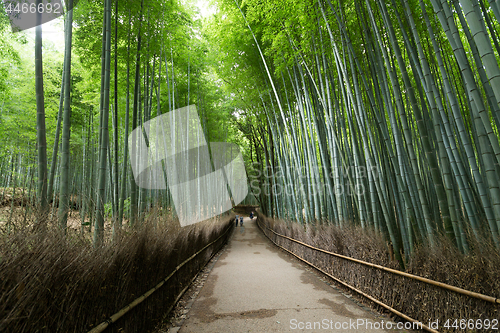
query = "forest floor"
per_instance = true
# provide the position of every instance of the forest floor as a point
(21, 212)
(74, 219)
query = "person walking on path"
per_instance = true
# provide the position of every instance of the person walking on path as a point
(241, 221)
(237, 218)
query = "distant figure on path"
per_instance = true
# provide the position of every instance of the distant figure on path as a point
(241, 221)
(237, 218)
(251, 215)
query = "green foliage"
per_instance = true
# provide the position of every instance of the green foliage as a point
(400, 86)
(108, 208)
(19, 108)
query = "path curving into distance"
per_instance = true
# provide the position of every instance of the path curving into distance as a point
(254, 287)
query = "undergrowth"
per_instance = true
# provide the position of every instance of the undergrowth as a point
(477, 271)
(55, 283)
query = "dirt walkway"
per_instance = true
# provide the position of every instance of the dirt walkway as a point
(254, 287)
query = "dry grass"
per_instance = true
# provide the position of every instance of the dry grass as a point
(50, 283)
(421, 301)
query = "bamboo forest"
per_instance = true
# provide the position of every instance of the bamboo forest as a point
(360, 136)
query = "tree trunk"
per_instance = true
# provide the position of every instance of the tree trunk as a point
(40, 118)
(65, 160)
